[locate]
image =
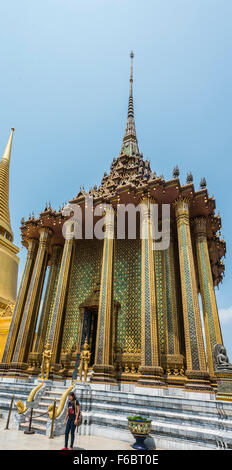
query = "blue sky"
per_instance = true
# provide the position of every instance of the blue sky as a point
(64, 87)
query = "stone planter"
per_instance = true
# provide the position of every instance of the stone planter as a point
(140, 428)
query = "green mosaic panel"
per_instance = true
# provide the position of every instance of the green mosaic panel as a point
(127, 291)
(169, 302)
(147, 308)
(160, 301)
(85, 273)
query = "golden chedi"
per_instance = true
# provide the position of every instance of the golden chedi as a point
(8, 251)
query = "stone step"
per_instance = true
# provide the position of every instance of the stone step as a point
(40, 410)
(39, 419)
(205, 436)
(16, 394)
(42, 405)
(15, 390)
(16, 382)
(59, 389)
(149, 407)
(143, 406)
(8, 380)
(55, 392)
(41, 429)
(52, 397)
(162, 415)
(45, 402)
(154, 402)
(127, 396)
(15, 387)
(162, 429)
(49, 399)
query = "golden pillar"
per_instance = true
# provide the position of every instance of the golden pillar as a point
(28, 323)
(197, 374)
(20, 302)
(54, 335)
(43, 324)
(213, 333)
(172, 357)
(103, 368)
(150, 369)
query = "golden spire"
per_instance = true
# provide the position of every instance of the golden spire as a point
(5, 226)
(7, 152)
(131, 105)
(130, 143)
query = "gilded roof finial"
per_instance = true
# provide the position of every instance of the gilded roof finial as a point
(5, 225)
(131, 75)
(130, 144)
(131, 105)
(7, 152)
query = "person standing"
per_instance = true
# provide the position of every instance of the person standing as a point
(71, 418)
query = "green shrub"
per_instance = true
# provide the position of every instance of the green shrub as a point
(138, 418)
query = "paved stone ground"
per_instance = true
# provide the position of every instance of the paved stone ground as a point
(14, 440)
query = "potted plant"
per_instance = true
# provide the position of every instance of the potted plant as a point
(140, 427)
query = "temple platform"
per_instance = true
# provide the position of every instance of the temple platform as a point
(180, 419)
(16, 440)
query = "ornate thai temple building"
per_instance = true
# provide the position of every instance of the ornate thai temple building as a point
(138, 308)
(8, 251)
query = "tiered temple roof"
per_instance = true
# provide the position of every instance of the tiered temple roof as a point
(131, 177)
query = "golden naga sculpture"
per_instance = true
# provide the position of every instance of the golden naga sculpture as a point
(45, 368)
(46, 361)
(20, 405)
(84, 361)
(59, 409)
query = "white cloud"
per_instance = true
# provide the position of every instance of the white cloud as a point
(225, 315)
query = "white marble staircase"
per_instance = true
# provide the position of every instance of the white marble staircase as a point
(179, 420)
(40, 413)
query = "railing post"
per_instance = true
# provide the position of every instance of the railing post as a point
(10, 409)
(30, 431)
(53, 419)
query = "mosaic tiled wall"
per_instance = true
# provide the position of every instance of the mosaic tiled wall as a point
(169, 302)
(160, 299)
(178, 297)
(85, 273)
(127, 291)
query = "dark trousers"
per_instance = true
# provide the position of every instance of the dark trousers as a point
(70, 426)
